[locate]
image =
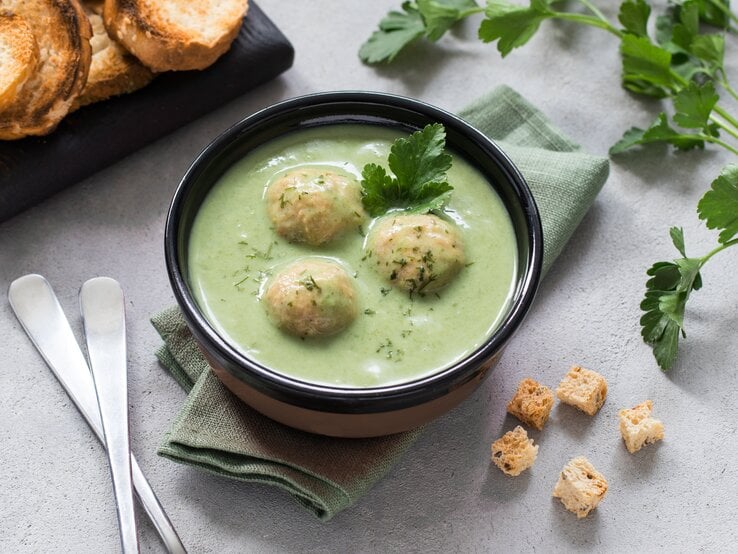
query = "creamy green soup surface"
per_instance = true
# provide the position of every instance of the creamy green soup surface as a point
(396, 338)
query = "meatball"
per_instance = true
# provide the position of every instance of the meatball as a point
(311, 297)
(314, 205)
(416, 252)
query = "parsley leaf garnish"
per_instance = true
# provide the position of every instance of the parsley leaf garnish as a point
(659, 131)
(634, 17)
(677, 237)
(718, 208)
(694, 105)
(512, 25)
(671, 283)
(646, 67)
(692, 53)
(429, 18)
(310, 284)
(396, 30)
(715, 12)
(667, 292)
(711, 50)
(440, 15)
(419, 164)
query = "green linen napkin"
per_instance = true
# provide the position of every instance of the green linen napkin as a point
(217, 433)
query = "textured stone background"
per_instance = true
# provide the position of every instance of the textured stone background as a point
(444, 495)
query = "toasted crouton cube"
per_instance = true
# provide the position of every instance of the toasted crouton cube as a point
(580, 487)
(514, 452)
(638, 428)
(532, 403)
(584, 389)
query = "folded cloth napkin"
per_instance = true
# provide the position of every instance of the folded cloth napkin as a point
(218, 433)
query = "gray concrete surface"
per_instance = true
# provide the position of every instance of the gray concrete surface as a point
(444, 496)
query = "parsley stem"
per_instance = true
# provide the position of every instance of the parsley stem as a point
(720, 123)
(729, 118)
(471, 11)
(728, 123)
(711, 253)
(715, 140)
(589, 20)
(594, 9)
(727, 87)
(684, 83)
(599, 20)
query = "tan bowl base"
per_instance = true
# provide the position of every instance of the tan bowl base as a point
(350, 425)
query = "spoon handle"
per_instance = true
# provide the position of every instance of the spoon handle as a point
(39, 312)
(103, 311)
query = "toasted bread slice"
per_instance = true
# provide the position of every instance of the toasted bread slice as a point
(18, 56)
(175, 34)
(114, 70)
(63, 33)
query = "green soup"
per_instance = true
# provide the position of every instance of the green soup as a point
(395, 338)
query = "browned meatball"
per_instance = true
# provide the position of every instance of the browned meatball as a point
(311, 297)
(416, 252)
(314, 205)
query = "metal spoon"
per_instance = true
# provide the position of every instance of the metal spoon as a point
(39, 312)
(103, 312)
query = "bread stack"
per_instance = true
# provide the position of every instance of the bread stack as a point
(59, 55)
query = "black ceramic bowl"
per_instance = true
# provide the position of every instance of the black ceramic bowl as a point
(361, 412)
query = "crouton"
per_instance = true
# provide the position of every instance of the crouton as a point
(584, 389)
(580, 487)
(532, 403)
(514, 452)
(638, 428)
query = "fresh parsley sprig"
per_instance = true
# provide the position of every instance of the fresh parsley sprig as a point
(680, 63)
(671, 283)
(510, 24)
(419, 164)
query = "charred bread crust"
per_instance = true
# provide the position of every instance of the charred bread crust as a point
(63, 32)
(114, 70)
(20, 59)
(161, 45)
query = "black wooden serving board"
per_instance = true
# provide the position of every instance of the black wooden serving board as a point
(96, 136)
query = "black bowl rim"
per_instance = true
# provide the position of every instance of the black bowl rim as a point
(341, 399)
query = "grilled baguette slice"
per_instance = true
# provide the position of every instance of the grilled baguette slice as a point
(114, 70)
(18, 56)
(62, 32)
(175, 34)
